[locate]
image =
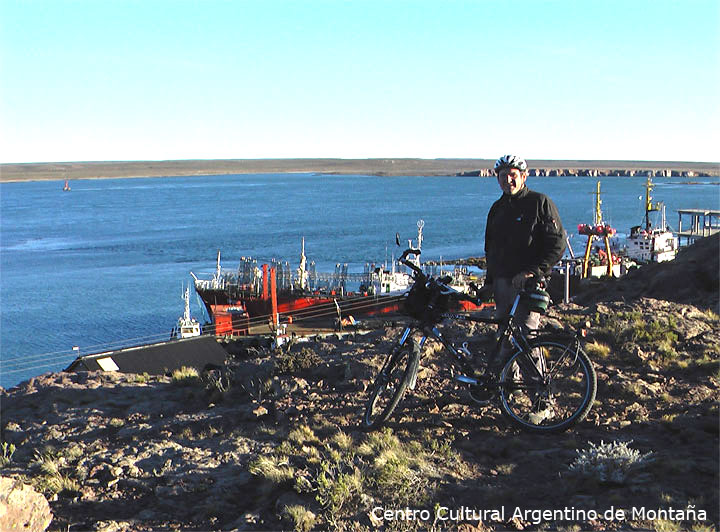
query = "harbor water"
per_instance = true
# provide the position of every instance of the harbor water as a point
(103, 265)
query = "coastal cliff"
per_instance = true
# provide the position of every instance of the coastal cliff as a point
(271, 440)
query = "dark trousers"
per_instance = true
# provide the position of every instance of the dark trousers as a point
(528, 320)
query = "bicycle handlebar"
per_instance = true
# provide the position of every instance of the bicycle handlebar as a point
(441, 283)
(412, 266)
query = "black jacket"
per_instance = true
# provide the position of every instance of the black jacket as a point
(523, 234)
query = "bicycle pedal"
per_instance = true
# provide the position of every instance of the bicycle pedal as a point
(465, 379)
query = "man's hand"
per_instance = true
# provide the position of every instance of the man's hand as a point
(518, 281)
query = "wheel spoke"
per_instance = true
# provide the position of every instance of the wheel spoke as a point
(563, 397)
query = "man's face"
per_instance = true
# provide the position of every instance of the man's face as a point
(511, 180)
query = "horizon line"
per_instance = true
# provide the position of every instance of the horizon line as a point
(200, 159)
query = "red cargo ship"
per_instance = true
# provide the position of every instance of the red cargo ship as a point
(273, 294)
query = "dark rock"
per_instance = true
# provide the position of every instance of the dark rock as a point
(693, 278)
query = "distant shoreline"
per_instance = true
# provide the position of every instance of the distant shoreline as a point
(14, 172)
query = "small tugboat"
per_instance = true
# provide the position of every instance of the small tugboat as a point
(187, 326)
(652, 244)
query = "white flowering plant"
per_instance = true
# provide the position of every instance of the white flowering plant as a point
(609, 462)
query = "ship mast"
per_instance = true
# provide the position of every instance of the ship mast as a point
(597, 219)
(186, 315)
(420, 225)
(598, 229)
(649, 207)
(302, 269)
(218, 273)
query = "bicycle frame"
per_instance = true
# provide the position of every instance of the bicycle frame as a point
(509, 330)
(546, 383)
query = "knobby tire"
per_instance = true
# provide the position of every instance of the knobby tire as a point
(562, 400)
(390, 385)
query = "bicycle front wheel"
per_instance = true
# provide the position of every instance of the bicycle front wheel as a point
(550, 387)
(390, 385)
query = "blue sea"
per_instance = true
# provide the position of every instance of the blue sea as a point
(103, 265)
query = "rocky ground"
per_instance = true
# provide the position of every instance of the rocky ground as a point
(272, 441)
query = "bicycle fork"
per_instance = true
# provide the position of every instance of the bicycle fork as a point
(415, 367)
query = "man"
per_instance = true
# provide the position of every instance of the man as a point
(524, 238)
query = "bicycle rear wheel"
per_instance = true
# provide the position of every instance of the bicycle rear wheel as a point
(550, 387)
(390, 385)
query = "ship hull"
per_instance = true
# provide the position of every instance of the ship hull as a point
(236, 315)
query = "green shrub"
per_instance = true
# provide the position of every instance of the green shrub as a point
(276, 469)
(57, 470)
(597, 350)
(289, 362)
(302, 434)
(302, 519)
(622, 329)
(339, 471)
(185, 376)
(337, 485)
(8, 449)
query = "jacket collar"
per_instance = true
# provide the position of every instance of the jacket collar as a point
(521, 194)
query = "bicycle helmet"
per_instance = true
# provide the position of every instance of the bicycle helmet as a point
(511, 161)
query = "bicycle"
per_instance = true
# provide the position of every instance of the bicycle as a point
(546, 384)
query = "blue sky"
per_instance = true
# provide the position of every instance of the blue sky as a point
(153, 80)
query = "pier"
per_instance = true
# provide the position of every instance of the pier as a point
(703, 222)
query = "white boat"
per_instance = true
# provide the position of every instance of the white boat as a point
(187, 326)
(648, 243)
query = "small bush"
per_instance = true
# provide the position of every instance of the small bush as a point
(341, 472)
(399, 478)
(597, 350)
(185, 376)
(217, 383)
(337, 485)
(57, 470)
(506, 469)
(608, 462)
(302, 434)
(8, 449)
(342, 440)
(276, 469)
(292, 362)
(665, 525)
(301, 518)
(377, 442)
(60, 483)
(625, 328)
(257, 387)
